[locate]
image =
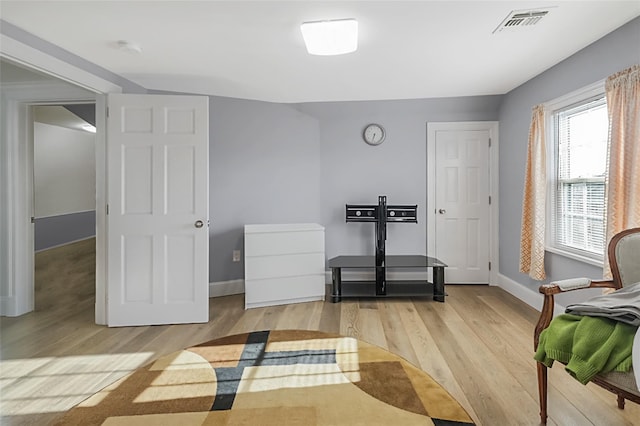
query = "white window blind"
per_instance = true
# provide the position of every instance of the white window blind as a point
(581, 132)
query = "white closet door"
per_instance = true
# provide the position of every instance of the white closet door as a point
(462, 204)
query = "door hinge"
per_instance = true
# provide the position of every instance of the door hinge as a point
(33, 219)
(489, 265)
(107, 112)
(489, 142)
(107, 208)
(489, 199)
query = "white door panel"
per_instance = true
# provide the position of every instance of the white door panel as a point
(157, 148)
(462, 204)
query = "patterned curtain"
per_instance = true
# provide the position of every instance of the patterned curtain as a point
(623, 174)
(533, 207)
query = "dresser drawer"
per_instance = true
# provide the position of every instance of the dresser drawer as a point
(278, 291)
(289, 265)
(286, 242)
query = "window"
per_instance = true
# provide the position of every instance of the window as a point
(579, 143)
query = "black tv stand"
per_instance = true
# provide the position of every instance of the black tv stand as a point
(381, 215)
(415, 288)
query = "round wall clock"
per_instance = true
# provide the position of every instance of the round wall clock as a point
(373, 134)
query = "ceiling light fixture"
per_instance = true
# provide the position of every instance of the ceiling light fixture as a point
(334, 37)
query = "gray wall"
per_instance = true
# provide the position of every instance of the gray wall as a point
(64, 170)
(63, 229)
(264, 161)
(614, 52)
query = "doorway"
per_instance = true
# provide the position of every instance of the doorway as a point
(64, 214)
(29, 87)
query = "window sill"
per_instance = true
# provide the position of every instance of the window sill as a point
(574, 256)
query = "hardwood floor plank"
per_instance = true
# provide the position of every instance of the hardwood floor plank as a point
(330, 317)
(396, 334)
(315, 316)
(371, 326)
(248, 321)
(350, 319)
(296, 316)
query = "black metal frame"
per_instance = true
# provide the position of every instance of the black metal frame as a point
(381, 214)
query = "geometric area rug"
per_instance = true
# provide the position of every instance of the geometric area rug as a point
(289, 377)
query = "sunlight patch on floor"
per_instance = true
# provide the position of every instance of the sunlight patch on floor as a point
(61, 381)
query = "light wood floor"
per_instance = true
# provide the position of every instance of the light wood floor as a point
(478, 345)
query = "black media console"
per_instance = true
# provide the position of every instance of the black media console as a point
(380, 215)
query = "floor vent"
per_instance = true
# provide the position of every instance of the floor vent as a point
(521, 18)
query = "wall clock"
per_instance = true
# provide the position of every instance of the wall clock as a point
(373, 134)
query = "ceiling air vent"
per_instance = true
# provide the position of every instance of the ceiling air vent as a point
(520, 19)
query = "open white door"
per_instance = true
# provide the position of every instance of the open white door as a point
(158, 207)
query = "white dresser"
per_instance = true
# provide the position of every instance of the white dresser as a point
(283, 263)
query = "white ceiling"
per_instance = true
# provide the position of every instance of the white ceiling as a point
(254, 50)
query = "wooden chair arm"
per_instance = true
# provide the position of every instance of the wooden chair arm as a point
(551, 289)
(546, 314)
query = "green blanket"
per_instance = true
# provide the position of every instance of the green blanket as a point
(586, 345)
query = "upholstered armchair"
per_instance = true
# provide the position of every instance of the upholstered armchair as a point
(624, 258)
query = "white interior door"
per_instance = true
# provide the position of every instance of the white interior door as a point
(158, 205)
(462, 204)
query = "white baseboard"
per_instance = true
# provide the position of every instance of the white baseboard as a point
(528, 296)
(226, 288)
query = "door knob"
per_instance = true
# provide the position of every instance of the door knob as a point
(199, 224)
(442, 211)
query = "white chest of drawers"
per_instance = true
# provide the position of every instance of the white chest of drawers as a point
(283, 263)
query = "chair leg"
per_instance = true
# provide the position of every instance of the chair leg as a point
(542, 391)
(621, 402)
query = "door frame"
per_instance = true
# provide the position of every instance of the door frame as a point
(17, 281)
(492, 127)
